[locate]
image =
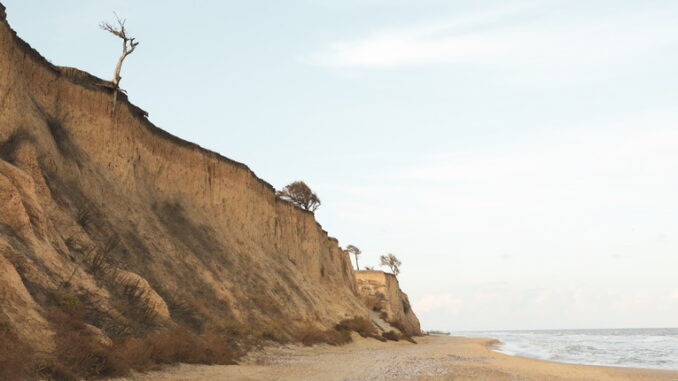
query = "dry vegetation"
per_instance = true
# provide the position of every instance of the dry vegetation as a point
(401, 328)
(391, 335)
(360, 325)
(82, 352)
(96, 338)
(76, 228)
(16, 359)
(106, 338)
(310, 335)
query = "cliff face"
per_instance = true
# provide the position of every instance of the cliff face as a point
(112, 212)
(382, 293)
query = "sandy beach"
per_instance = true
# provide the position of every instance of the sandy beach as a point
(433, 358)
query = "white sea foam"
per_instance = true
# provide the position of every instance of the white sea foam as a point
(638, 348)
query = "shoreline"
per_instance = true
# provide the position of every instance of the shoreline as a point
(497, 348)
(434, 358)
(669, 374)
(494, 347)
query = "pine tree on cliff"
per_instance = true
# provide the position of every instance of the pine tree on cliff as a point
(356, 252)
(128, 46)
(300, 195)
(392, 262)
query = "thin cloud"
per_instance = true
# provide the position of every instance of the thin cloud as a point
(493, 39)
(583, 167)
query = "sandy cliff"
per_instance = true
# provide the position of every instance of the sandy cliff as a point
(142, 227)
(381, 291)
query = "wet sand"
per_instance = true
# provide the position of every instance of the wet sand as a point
(434, 358)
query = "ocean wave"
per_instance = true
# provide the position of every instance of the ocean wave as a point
(640, 348)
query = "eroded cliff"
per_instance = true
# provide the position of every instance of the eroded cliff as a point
(381, 292)
(140, 227)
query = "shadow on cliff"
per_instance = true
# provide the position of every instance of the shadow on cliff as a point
(124, 247)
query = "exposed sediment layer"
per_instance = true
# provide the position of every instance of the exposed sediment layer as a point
(381, 292)
(90, 201)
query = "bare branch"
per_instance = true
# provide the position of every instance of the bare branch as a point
(110, 28)
(119, 30)
(128, 47)
(133, 45)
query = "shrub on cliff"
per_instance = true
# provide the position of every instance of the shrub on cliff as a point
(300, 195)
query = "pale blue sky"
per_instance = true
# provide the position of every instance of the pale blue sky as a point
(520, 157)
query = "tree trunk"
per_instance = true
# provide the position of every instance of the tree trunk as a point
(118, 66)
(116, 75)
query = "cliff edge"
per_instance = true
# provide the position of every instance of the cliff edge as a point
(112, 230)
(139, 227)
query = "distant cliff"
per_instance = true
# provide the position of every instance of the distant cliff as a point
(381, 292)
(135, 229)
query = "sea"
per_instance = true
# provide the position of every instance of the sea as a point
(655, 348)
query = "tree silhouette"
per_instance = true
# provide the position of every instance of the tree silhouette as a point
(392, 262)
(301, 195)
(356, 252)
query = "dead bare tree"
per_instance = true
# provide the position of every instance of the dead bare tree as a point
(128, 46)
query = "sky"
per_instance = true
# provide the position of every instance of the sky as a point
(519, 157)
